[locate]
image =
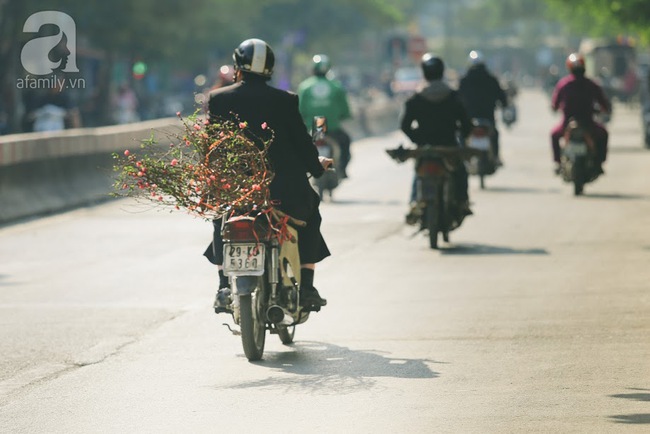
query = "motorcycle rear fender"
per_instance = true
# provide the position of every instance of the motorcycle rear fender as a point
(245, 285)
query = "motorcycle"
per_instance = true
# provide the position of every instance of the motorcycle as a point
(578, 163)
(480, 139)
(262, 262)
(327, 147)
(437, 209)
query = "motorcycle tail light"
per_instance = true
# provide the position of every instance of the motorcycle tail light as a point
(480, 132)
(431, 168)
(246, 229)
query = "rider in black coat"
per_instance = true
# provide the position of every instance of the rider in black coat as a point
(292, 154)
(481, 92)
(435, 115)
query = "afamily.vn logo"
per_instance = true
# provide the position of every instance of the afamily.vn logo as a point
(44, 56)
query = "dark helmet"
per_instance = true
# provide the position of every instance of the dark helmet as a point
(575, 64)
(432, 66)
(254, 56)
(322, 64)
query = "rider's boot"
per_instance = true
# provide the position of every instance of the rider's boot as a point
(309, 296)
(222, 300)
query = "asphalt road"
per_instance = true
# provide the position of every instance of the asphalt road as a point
(535, 318)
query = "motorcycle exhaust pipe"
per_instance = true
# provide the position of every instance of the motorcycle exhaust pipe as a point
(277, 315)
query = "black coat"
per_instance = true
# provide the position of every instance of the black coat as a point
(481, 92)
(292, 153)
(439, 114)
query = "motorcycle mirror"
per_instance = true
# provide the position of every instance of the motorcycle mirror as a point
(319, 123)
(319, 128)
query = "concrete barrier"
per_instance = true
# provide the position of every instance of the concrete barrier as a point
(42, 173)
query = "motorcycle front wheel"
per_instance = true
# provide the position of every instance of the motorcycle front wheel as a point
(252, 323)
(579, 175)
(286, 334)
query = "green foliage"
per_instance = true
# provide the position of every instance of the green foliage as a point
(604, 17)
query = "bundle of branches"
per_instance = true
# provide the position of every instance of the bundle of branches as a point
(209, 169)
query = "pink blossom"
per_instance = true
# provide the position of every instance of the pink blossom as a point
(160, 198)
(243, 125)
(256, 187)
(178, 114)
(264, 126)
(141, 173)
(174, 162)
(197, 127)
(226, 186)
(126, 153)
(212, 177)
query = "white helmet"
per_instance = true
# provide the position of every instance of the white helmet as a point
(475, 58)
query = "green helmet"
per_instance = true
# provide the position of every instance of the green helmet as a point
(322, 64)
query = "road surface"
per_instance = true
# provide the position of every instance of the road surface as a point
(535, 318)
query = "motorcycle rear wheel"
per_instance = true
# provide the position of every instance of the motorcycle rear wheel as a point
(579, 176)
(431, 213)
(252, 323)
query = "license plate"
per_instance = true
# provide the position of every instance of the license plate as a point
(244, 258)
(481, 143)
(577, 148)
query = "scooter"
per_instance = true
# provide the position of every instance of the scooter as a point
(329, 148)
(480, 139)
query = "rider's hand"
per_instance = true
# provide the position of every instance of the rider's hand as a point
(326, 162)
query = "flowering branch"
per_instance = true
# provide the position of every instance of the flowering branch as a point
(209, 169)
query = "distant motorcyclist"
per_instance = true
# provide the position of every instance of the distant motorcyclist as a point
(577, 97)
(436, 116)
(481, 92)
(322, 96)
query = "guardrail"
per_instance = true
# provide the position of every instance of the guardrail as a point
(42, 173)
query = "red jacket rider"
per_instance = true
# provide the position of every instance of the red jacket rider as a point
(576, 96)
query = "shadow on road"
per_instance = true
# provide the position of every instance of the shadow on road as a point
(523, 190)
(337, 201)
(642, 395)
(638, 419)
(482, 249)
(619, 196)
(333, 369)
